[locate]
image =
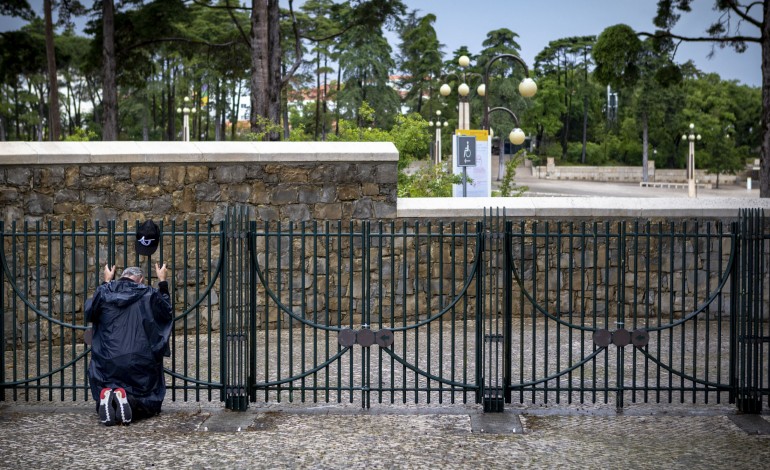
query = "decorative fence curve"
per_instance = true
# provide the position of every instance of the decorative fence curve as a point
(492, 312)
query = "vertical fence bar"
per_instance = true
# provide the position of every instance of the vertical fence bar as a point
(507, 308)
(3, 264)
(620, 322)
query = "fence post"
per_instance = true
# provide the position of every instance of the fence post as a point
(2, 309)
(734, 309)
(751, 338)
(479, 317)
(252, 253)
(507, 309)
(233, 312)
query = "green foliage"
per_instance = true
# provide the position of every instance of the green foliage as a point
(595, 155)
(616, 54)
(266, 126)
(411, 137)
(366, 64)
(420, 58)
(508, 186)
(350, 132)
(428, 181)
(299, 135)
(82, 135)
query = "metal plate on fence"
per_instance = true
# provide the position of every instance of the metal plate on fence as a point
(347, 338)
(602, 338)
(384, 338)
(640, 338)
(621, 337)
(365, 337)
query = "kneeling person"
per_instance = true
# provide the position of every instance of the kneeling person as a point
(131, 324)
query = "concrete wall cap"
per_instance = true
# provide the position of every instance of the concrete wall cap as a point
(567, 207)
(63, 153)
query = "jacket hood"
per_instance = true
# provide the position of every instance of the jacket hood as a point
(125, 292)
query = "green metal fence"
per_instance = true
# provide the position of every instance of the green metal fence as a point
(50, 270)
(496, 311)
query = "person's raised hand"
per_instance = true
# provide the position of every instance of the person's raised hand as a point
(160, 272)
(109, 274)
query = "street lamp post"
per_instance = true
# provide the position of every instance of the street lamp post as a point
(437, 143)
(691, 136)
(186, 110)
(527, 87)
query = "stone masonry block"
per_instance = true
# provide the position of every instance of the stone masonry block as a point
(145, 175)
(229, 174)
(197, 174)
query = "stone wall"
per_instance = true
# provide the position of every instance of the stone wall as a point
(628, 174)
(75, 181)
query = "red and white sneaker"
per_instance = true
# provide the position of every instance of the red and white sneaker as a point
(122, 407)
(106, 413)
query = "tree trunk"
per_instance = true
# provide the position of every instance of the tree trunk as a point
(285, 107)
(585, 105)
(317, 93)
(237, 87)
(54, 121)
(585, 129)
(110, 91)
(645, 142)
(260, 71)
(40, 111)
(764, 153)
(337, 102)
(274, 67)
(325, 109)
(16, 111)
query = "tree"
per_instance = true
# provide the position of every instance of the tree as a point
(564, 58)
(504, 78)
(622, 60)
(710, 104)
(21, 65)
(726, 32)
(267, 79)
(54, 121)
(366, 65)
(419, 60)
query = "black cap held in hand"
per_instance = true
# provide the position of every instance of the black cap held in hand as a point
(147, 238)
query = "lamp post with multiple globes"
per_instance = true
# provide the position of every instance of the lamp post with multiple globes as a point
(691, 137)
(437, 143)
(463, 90)
(186, 110)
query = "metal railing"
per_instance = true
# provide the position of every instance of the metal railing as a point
(492, 312)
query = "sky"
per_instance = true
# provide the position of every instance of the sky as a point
(537, 22)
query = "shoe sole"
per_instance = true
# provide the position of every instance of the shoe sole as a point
(106, 417)
(123, 409)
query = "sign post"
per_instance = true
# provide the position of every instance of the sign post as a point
(466, 156)
(472, 155)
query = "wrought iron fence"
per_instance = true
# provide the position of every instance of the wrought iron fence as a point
(495, 311)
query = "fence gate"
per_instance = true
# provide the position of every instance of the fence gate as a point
(636, 312)
(364, 312)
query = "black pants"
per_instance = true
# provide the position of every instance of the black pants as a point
(139, 411)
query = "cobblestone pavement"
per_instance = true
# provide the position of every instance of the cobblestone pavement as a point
(205, 435)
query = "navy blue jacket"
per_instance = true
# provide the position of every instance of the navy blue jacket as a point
(131, 326)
